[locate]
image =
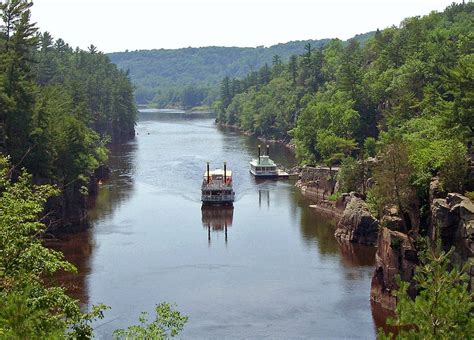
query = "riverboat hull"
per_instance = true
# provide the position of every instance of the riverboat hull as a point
(266, 174)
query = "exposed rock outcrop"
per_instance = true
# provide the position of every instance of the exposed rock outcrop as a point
(396, 255)
(392, 220)
(357, 223)
(318, 182)
(453, 218)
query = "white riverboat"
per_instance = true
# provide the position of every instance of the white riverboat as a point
(263, 166)
(217, 187)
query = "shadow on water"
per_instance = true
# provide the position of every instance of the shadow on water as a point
(78, 248)
(119, 187)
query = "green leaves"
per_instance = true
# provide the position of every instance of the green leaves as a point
(28, 306)
(168, 323)
(432, 150)
(325, 127)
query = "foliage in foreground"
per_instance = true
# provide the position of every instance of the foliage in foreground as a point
(442, 309)
(28, 306)
(168, 323)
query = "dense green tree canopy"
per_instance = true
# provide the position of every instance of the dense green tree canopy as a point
(58, 106)
(405, 96)
(413, 80)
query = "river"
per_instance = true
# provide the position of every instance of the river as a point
(271, 268)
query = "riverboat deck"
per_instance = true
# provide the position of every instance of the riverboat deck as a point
(216, 188)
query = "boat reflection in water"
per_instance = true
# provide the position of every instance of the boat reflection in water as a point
(217, 219)
(265, 195)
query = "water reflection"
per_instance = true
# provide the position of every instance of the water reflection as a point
(77, 249)
(316, 230)
(217, 219)
(265, 193)
(119, 187)
(171, 114)
(357, 255)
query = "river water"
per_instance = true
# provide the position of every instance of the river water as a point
(269, 268)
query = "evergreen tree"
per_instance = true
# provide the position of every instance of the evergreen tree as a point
(293, 68)
(443, 307)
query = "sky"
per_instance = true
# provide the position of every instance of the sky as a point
(119, 25)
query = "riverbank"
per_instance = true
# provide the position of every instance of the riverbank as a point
(284, 142)
(196, 109)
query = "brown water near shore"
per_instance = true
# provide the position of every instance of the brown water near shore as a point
(269, 268)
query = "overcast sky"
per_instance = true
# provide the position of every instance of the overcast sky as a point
(117, 25)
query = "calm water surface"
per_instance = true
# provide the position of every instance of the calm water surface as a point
(270, 268)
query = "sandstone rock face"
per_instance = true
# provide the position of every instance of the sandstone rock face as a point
(392, 220)
(357, 223)
(453, 218)
(318, 182)
(396, 255)
(436, 190)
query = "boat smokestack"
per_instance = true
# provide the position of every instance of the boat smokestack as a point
(259, 154)
(225, 172)
(208, 174)
(268, 150)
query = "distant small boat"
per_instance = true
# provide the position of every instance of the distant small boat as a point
(216, 188)
(263, 166)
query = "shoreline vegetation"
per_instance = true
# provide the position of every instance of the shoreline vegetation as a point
(285, 143)
(396, 116)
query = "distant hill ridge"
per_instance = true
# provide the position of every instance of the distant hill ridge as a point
(161, 73)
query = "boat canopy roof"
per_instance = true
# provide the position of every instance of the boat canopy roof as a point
(264, 161)
(219, 172)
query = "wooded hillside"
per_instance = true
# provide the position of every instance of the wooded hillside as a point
(188, 77)
(405, 96)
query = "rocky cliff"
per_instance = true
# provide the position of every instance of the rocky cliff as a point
(357, 224)
(318, 182)
(396, 255)
(451, 219)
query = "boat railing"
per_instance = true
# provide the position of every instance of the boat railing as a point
(218, 198)
(216, 184)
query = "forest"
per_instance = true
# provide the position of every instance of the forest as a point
(405, 96)
(59, 108)
(189, 77)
